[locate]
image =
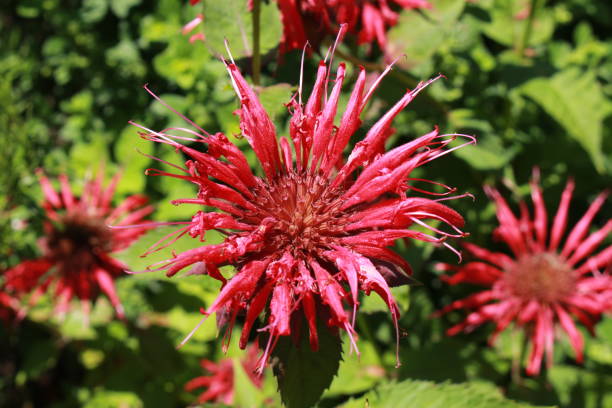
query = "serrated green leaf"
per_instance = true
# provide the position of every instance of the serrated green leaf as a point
(303, 374)
(425, 394)
(575, 100)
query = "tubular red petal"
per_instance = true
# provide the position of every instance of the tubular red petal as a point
(106, 284)
(570, 328)
(256, 125)
(540, 219)
(324, 126)
(348, 125)
(478, 273)
(587, 246)
(560, 221)
(581, 228)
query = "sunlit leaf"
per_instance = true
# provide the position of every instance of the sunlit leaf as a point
(575, 100)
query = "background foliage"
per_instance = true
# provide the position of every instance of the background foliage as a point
(71, 79)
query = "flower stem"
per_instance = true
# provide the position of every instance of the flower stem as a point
(533, 5)
(256, 59)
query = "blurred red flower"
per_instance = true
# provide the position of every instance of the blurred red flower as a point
(78, 244)
(311, 232)
(312, 20)
(542, 284)
(219, 383)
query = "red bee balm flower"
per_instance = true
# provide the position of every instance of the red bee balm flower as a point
(543, 283)
(220, 383)
(78, 242)
(312, 231)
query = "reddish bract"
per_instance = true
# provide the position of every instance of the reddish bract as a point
(78, 244)
(542, 283)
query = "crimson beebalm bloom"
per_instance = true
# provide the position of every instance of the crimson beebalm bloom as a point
(219, 384)
(78, 244)
(543, 283)
(314, 229)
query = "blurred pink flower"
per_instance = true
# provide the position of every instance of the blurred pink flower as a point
(78, 244)
(542, 284)
(219, 384)
(312, 231)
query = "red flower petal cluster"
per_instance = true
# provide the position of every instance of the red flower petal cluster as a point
(312, 19)
(219, 383)
(78, 244)
(543, 283)
(314, 229)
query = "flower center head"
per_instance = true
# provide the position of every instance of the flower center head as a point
(544, 277)
(78, 234)
(305, 210)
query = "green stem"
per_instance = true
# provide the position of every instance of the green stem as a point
(533, 5)
(256, 60)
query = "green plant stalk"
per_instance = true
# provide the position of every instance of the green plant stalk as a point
(533, 5)
(256, 59)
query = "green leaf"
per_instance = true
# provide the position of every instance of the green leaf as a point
(231, 20)
(421, 394)
(121, 8)
(575, 99)
(132, 256)
(107, 399)
(576, 386)
(488, 154)
(93, 11)
(273, 99)
(419, 36)
(357, 374)
(303, 374)
(130, 151)
(508, 30)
